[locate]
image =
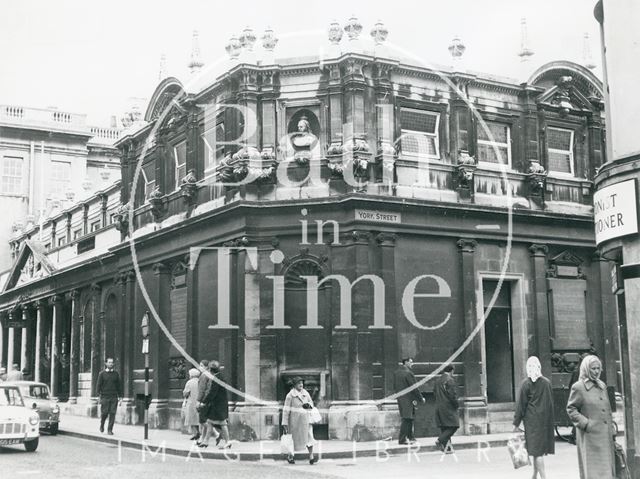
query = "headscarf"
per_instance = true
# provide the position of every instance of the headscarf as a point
(194, 373)
(534, 369)
(585, 370)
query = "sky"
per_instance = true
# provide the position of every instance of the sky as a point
(87, 56)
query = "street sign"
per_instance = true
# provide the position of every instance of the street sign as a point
(615, 211)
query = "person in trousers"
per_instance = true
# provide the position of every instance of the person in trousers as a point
(295, 420)
(535, 409)
(109, 389)
(446, 392)
(403, 380)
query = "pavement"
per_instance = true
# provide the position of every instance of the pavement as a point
(172, 442)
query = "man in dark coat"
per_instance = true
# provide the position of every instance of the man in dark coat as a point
(109, 389)
(404, 379)
(447, 419)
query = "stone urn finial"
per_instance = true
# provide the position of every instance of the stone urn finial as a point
(457, 48)
(335, 33)
(233, 47)
(353, 28)
(379, 33)
(269, 39)
(247, 39)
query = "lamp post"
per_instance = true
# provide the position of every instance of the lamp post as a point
(145, 351)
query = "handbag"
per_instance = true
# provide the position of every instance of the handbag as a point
(286, 444)
(518, 451)
(622, 471)
(314, 416)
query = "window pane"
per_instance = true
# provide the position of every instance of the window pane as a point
(560, 162)
(11, 174)
(559, 139)
(418, 120)
(181, 153)
(498, 130)
(487, 153)
(60, 177)
(418, 144)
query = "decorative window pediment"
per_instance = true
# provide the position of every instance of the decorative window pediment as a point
(565, 265)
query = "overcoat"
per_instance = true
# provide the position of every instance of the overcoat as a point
(402, 379)
(190, 394)
(216, 401)
(296, 418)
(590, 412)
(535, 409)
(446, 394)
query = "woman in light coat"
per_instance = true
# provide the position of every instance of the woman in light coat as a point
(590, 412)
(295, 420)
(535, 409)
(190, 394)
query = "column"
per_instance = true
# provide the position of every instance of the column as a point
(159, 348)
(391, 356)
(541, 307)
(608, 311)
(40, 337)
(10, 345)
(96, 334)
(127, 312)
(474, 401)
(56, 302)
(74, 348)
(252, 325)
(23, 337)
(2, 363)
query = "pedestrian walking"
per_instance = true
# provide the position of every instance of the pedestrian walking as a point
(295, 420)
(190, 394)
(218, 406)
(409, 397)
(446, 392)
(15, 374)
(109, 390)
(204, 383)
(535, 409)
(590, 411)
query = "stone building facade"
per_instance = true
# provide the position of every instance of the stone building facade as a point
(325, 218)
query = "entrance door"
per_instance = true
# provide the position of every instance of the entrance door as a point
(498, 339)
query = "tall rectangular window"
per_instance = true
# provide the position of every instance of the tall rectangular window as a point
(180, 156)
(214, 146)
(496, 150)
(12, 175)
(560, 148)
(149, 177)
(419, 133)
(60, 178)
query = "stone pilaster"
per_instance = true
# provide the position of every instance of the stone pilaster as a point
(474, 402)
(126, 412)
(543, 335)
(24, 336)
(40, 339)
(96, 327)
(56, 302)
(387, 242)
(159, 348)
(74, 347)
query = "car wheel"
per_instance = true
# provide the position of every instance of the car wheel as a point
(53, 429)
(32, 445)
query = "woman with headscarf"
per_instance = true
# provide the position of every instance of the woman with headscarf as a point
(535, 409)
(295, 420)
(590, 411)
(190, 394)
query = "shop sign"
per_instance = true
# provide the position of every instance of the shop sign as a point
(378, 216)
(615, 209)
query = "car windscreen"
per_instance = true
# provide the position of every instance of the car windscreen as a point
(37, 392)
(10, 397)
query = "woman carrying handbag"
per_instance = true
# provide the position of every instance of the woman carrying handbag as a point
(297, 422)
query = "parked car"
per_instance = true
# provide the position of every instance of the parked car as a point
(18, 423)
(37, 396)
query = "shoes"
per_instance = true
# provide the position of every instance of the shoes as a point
(218, 439)
(101, 427)
(195, 437)
(313, 460)
(413, 441)
(291, 460)
(439, 445)
(110, 433)
(403, 443)
(224, 445)
(203, 445)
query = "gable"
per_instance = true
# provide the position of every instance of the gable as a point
(30, 265)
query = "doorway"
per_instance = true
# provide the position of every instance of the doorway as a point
(498, 343)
